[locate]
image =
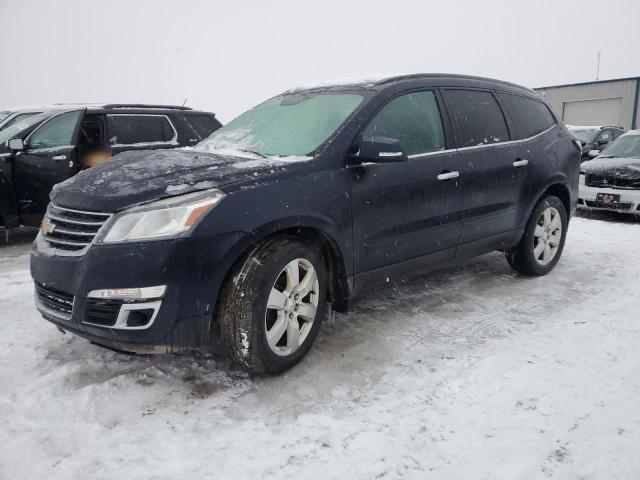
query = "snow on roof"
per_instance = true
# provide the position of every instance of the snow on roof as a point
(344, 81)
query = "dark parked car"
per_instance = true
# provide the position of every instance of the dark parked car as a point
(11, 117)
(301, 201)
(40, 149)
(611, 181)
(594, 139)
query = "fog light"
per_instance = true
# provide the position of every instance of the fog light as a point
(144, 293)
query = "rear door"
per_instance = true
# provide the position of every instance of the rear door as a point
(490, 175)
(402, 210)
(48, 158)
(531, 123)
(138, 131)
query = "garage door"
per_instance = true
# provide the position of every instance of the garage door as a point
(605, 111)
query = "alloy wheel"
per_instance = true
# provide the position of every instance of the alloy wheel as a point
(547, 236)
(292, 306)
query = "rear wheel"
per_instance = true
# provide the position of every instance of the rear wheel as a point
(272, 307)
(541, 246)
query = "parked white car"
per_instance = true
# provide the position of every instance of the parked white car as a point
(611, 181)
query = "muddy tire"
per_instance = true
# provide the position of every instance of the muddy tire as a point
(273, 304)
(542, 244)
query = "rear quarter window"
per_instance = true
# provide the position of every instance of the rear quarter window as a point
(529, 116)
(129, 129)
(204, 125)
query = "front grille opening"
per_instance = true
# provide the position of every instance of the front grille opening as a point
(54, 299)
(611, 206)
(71, 230)
(103, 312)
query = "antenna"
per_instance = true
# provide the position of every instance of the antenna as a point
(185, 101)
(597, 65)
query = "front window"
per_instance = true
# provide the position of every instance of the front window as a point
(586, 135)
(625, 146)
(57, 132)
(294, 124)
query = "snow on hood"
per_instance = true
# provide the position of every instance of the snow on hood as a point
(616, 167)
(135, 177)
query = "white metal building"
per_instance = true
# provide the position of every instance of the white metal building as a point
(602, 102)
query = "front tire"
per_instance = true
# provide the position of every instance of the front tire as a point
(542, 244)
(272, 306)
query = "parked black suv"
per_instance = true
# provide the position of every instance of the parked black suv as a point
(594, 139)
(45, 146)
(301, 201)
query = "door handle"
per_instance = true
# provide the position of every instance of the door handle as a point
(520, 163)
(448, 175)
(57, 158)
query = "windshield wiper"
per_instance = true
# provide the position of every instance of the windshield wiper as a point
(252, 151)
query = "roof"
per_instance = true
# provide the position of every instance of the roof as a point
(110, 106)
(375, 80)
(594, 82)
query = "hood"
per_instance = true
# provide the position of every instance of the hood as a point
(135, 177)
(613, 167)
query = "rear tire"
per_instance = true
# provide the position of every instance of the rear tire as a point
(541, 246)
(272, 306)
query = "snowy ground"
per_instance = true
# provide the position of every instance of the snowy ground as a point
(470, 373)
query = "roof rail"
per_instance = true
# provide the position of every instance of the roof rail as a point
(411, 76)
(143, 105)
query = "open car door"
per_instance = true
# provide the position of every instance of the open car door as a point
(49, 157)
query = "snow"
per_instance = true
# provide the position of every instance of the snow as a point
(370, 79)
(471, 372)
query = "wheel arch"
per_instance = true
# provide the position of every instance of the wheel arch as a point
(336, 256)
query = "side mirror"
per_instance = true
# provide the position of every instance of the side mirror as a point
(593, 153)
(16, 144)
(381, 150)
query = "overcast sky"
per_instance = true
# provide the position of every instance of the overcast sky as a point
(227, 56)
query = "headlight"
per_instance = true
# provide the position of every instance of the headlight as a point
(162, 219)
(581, 178)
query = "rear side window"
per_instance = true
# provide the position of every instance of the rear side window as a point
(132, 129)
(204, 125)
(414, 119)
(529, 116)
(478, 116)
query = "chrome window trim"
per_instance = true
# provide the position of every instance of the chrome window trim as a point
(472, 147)
(173, 141)
(509, 142)
(429, 154)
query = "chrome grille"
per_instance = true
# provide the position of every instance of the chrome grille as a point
(612, 182)
(71, 231)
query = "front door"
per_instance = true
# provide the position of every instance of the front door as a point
(408, 209)
(48, 158)
(491, 174)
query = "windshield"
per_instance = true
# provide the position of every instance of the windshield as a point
(293, 124)
(16, 119)
(626, 146)
(4, 115)
(15, 129)
(586, 135)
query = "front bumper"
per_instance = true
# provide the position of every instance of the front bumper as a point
(193, 270)
(629, 199)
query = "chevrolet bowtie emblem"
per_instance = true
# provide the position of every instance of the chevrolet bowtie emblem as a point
(47, 226)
